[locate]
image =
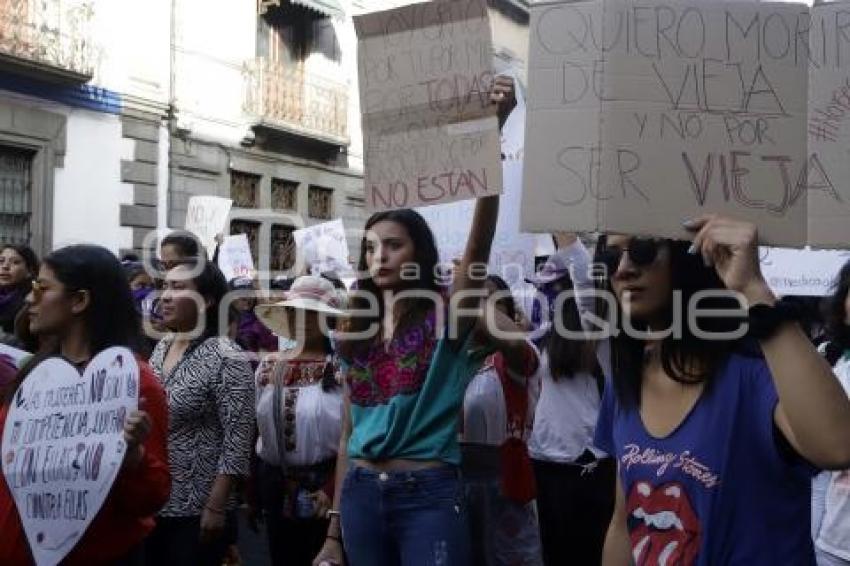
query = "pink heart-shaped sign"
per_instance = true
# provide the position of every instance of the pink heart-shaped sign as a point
(63, 446)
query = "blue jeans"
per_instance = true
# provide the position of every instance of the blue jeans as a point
(404, 518)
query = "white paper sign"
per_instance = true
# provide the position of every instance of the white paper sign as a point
(802, 272)
(643, 113)
(207, 217)
(63, 446)
(431, 134)
(234, 257)
(323, 247)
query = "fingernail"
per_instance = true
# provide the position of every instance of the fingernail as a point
(692, 250)
(687, 222)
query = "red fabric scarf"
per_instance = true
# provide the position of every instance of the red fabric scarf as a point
(517, 473)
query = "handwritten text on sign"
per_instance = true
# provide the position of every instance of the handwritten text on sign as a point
(63, 446)
(430, 132)
(829, 125)
(644, 113)
(512, 256)
(234, 257)
(323, 247)
(207, 217)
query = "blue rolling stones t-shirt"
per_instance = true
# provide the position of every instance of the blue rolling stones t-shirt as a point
(718, 489)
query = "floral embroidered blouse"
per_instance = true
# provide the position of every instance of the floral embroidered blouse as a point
(300, 423)
(406, 396)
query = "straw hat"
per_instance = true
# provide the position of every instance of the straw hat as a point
(310, 293)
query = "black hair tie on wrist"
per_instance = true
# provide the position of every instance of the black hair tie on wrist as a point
(764, 320)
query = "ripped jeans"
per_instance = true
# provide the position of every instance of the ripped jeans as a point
(404, 518)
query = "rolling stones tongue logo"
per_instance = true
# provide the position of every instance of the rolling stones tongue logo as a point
(663, 527)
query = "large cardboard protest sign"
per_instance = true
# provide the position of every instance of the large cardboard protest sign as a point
(643, 113)
(512, 253)
(323, 247)
(63, 446)
(430, 132)
(207, 217)
(804, 272)
(829, 125)
(234, 257)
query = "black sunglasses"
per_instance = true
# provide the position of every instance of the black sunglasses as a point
(642, 252)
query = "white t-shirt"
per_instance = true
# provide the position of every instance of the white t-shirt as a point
(485, 415)
(834, 536)
(565, 419)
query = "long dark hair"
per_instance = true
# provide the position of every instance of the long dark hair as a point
(28, 255)
(508, 299)
(838, 331)
(187, 244)
(425, 255)
(688, 359)
(568, 355)
(211, 285)
(111, 317)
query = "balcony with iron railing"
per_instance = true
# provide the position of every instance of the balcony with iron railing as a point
(297, 101)
(47, 39)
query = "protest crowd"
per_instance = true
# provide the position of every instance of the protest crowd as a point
(424, 412)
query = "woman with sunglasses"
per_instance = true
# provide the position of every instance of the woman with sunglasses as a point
(299, 416)
(82, 303)
(209, 385)
(575, 481)
(400, 500)
(716, 439)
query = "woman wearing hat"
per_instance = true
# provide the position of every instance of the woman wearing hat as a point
(299, 416)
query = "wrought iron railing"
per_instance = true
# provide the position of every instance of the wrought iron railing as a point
(297, 100)
(49, 33)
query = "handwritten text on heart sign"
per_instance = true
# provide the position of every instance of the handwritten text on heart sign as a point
(63, 446)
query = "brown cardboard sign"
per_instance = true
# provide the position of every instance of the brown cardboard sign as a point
(431, 134)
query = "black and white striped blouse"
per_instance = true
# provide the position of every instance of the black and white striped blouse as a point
(210, 394)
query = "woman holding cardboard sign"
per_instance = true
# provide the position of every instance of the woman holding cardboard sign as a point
(82, 300)
(716, 438)
(400, 500)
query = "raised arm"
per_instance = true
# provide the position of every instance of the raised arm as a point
(470, 274)
(578, 258)
(813, 411)
(506, 336)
